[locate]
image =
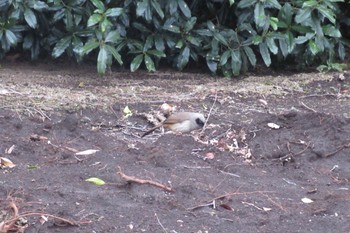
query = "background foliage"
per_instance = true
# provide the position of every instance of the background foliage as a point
(228, 36)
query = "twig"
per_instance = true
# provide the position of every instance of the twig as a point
(307, 107)
(160, 224)
(236, 193)
(336, 151)
(210, 202)
(10, 223)
(302, 151)
(142, 181)
(211, 109)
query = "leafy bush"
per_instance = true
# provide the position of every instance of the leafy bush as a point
(230, 36)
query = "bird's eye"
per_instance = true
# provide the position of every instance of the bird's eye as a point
(199, 122)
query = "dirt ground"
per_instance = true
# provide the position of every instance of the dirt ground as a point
(242, 174)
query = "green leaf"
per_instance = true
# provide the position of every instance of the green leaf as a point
(98, 4)
(272, 45)
(40, 5)
(331, 31)
(96, 181)
(172, 28)
(290, 41)
(303, 15)
(94, 19)
(231, 2)
(114, 12)
(158, 8)
(77, 47)
(156, 53)
(190, 24)
(115, 54)
(30, 18)
(246, 3)
(69, 19)
(341, 51)
(264, 51)
(301, 39)
(220, 38)
(259, 15)
(61, 46)
(284, 47)
(210, 26)
(141, 28)
(102, 60)
(301, 29)
(159, 43)
(236, 62)
(89, 46)
(143, 9)
(313, 47)
(172, 4)
(250, 54)
(224, 57)
(212, 65)
(148, 43)
(105, 24)
(184, 8)
(193, 40)
(204, 32)
(274, 3)
(179, 44)
(11, 37)
(136, 62)
(149, 63)
(310, 4)
(326, 13)
(274, 23)
(257, 39)
(183, 58)
(112, 36)
(286, 13)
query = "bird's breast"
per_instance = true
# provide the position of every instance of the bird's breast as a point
(182, 127)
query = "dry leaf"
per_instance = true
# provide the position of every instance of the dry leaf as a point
(210, 155)
(306, 200)
(264, 102)
(9, 151)
(273, 126)
(6, 163)
(87, 152)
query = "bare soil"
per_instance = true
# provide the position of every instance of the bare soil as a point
(240, 175)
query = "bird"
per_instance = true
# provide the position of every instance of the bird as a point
(181, 122)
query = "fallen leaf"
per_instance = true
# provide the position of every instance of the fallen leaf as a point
(264, 102)
(227, 207)
(210, 155)
(127, 112)
(6, 163)
(87, 152)
(9, 151)
(273, 126)
(306, 200)
(96, 181)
